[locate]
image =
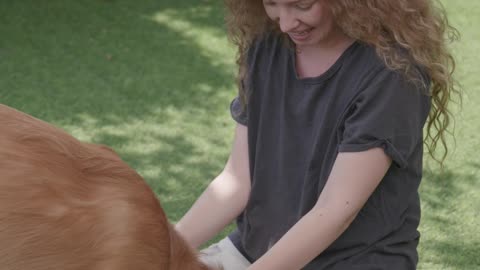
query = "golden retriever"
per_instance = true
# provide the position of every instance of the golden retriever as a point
(70, 205)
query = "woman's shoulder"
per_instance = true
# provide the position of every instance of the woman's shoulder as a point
(364, 57)
(370, 64)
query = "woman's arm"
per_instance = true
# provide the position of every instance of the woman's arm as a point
(353, 179)
(223, 200)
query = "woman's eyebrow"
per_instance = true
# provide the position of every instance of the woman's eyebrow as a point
(296, 2)
(293, 2)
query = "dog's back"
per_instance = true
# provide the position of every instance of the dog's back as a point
(70, 205)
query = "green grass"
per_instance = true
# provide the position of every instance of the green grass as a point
(451, 199)
(153, 79)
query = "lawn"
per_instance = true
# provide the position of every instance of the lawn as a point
(154, 79)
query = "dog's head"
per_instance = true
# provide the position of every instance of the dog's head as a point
(65, 204)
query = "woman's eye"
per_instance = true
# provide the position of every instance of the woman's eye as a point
(269, 4)
(303, 6)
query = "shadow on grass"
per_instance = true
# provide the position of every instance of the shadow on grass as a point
(108, 62)
(179, 176)
(444, 188)
(442, 195)
(105, 58)
(458, 255)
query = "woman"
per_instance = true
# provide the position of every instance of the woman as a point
(327, 155)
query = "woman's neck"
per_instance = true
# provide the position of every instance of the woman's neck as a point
(314, 60)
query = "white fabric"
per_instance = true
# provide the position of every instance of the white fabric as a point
(224, 255)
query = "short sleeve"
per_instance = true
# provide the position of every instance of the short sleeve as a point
(239, 111)
(390, 113)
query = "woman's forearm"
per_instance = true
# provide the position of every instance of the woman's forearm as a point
(222, 201)
(353, 179)
(303, 242)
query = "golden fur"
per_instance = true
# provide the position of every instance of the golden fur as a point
(69, 205)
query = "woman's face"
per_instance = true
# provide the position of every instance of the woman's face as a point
(306, 22)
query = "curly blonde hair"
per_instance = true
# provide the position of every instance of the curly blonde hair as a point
(419, 27)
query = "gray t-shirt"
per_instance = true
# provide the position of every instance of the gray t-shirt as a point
(296, 128)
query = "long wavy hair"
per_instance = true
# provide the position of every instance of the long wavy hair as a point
(419, 27)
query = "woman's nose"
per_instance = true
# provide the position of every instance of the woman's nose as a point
(287, 21)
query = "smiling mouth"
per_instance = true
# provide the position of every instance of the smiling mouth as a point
(301, 34)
